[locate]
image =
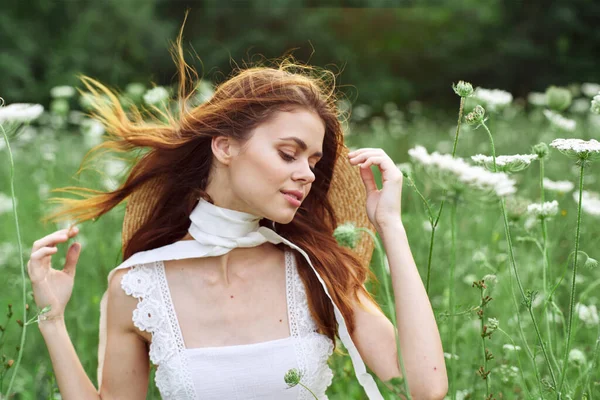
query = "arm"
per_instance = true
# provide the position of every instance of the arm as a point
(420, 341)
(126, 366)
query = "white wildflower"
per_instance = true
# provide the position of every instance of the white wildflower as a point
(590, 89)
(590, 202)
(427, 226)
(62, 92)
(580, 106)
(510, 163)
(577, 148)
(577, 357)
(560, 122)
(469, 279)
(508, 373)
(156, 95)
(588, 314)
(509, 347)
(450, 356)
(595, 104)
(20, 112)
(537, 99)
(558, 186)
(6, 204)
(545, 210)
(456, 172)
(493, 98)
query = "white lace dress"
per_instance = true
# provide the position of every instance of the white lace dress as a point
(248, 372)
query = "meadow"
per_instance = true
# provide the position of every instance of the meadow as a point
(512, 275)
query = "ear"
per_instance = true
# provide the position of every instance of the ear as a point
(224, 148)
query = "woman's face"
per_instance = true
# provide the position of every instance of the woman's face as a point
(280, 156)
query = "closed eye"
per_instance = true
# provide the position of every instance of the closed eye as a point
(289, 159)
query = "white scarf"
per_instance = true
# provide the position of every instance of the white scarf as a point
(216, 231)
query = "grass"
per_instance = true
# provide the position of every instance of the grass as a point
(47, 155)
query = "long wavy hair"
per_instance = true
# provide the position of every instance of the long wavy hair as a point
(179, 143)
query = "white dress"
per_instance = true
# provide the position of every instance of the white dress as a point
(248, 372)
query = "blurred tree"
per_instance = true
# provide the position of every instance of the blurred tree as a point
(387, 50)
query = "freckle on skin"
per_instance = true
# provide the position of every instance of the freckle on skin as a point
(435, 368)
(231, 296)
(280, 320)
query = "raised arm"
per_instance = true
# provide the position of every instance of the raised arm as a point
(126, 366)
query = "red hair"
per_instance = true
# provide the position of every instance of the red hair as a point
(180, 153)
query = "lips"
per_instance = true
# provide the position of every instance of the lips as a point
(295, 193)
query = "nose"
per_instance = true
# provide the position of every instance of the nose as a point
(305, 174)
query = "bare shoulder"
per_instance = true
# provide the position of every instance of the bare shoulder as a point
(120, 304)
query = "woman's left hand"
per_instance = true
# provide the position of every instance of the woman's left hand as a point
(383, 206)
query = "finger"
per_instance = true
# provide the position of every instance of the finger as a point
(389, 171)
(43, 252)
(72, 258)
(54, 238)
(368, 179)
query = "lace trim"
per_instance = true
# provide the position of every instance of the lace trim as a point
(315, 348)
(176, 330)
(146, 283)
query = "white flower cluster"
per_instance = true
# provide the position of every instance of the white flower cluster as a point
(577, 357)
(588, 314)
(511, 347)
(156, 95)
(63, 92)
(510, 163)
(590, 89)
(493, 98)
(595, 104)
(537, 98)
(558, 186)
(590, 202)
(20, 112)
(577, 147)
(464, 173)
(508, 372)
(547, 209)
(6, 204)
(560, 122)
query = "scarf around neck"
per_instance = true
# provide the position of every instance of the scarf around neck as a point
(216, 231)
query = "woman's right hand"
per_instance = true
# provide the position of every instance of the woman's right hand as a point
(53, 287)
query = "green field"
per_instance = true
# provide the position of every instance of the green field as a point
(48, 152)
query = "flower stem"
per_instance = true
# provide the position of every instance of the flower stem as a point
(434, 225)
(14, 203)
(453, 368)
(390, 303)
(514, 264)
(572, 296)
(546, 265)
(487, 379)
(311, 392)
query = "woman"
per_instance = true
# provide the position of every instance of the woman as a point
(210, 303)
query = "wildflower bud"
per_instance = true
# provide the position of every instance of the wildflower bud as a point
(59, 106)
(463, 89)
(475, 116)
(577, 357)
(27, 306)
(558, 98)
(20, 323)
(493, 324)
(292, 377)
(595, 107)
(10, 363)
(346, 235)
(591, 263)
(541, 149)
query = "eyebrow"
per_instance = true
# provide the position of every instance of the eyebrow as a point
(302, 145)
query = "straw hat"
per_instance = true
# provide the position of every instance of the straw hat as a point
(347, 194)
